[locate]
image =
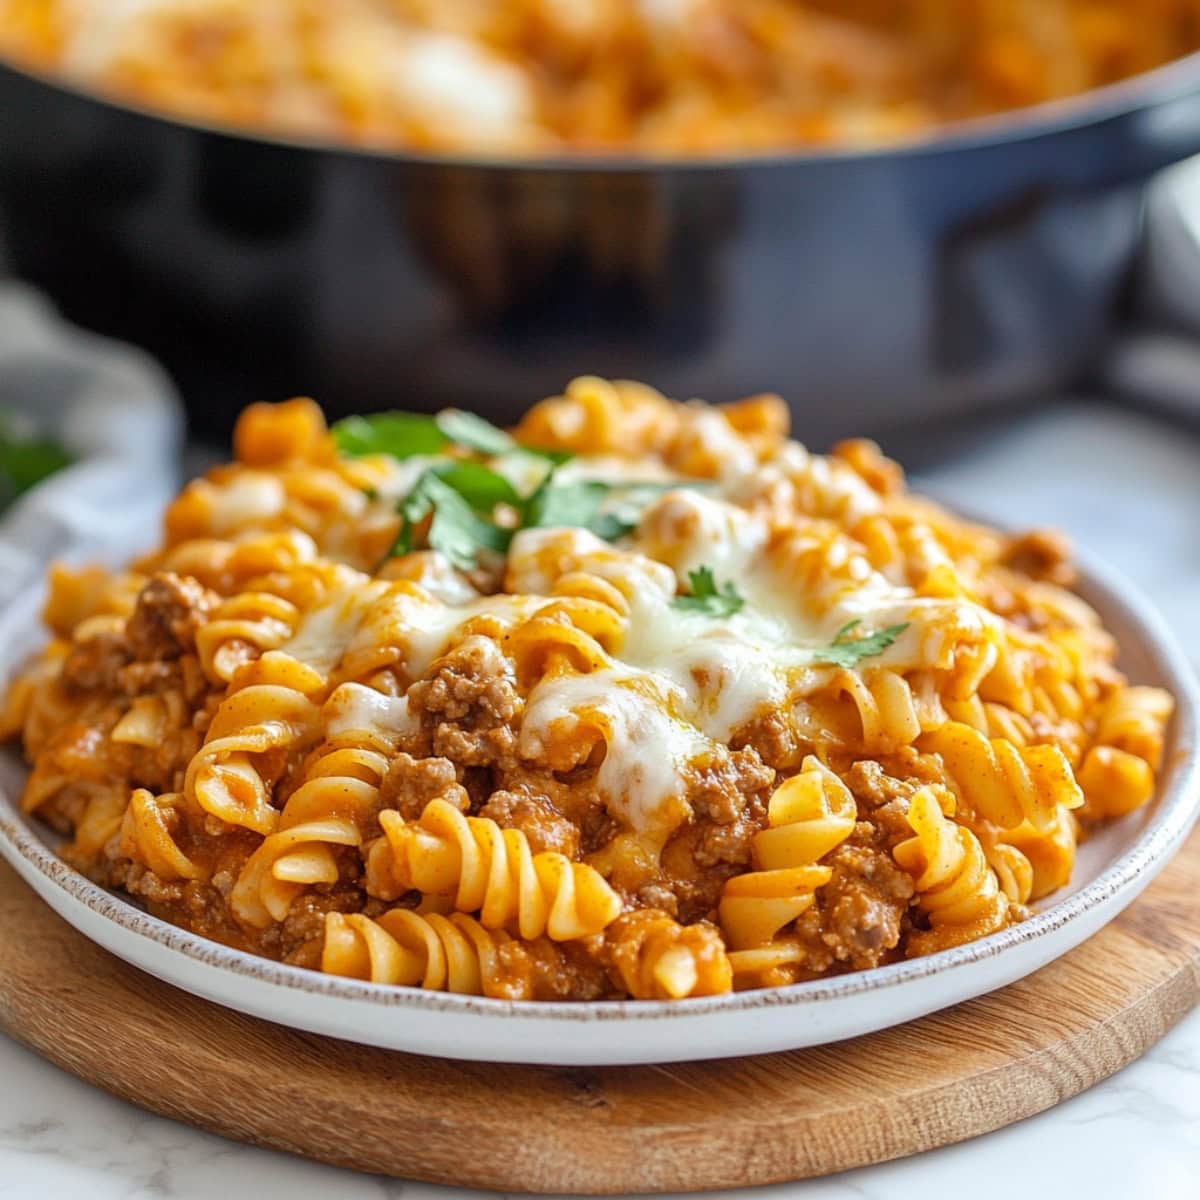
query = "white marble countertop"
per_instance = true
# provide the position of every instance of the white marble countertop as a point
(1126, 486)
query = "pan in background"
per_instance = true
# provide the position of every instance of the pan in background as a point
(873, 289)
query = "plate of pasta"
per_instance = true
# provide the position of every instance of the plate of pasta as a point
(636, 733)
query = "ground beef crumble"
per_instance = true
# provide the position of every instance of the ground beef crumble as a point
(148, 655)
(170, 609)
(858, 916)
(728, 798)
(536, 817)
(411, 783)
(468, 707)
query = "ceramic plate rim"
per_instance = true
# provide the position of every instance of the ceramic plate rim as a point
(1176, 810)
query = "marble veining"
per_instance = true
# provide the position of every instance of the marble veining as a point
(1127, 487)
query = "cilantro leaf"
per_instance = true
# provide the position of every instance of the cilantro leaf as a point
(557, 457)
(404, 435)
(706, 597)
(847, 651)
(467, 429)
(400, 434)
(611, 526)
(479, 486)
(609, 510)
(472, 431)
(576, 503)
(455, 497)
(455, 528)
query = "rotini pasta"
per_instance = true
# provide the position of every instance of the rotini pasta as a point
(956, 887)
(451, 954)
(656, 958)
(807, 816)
(150, 835)
(1003, 783)
(491, 871)
(642, 700)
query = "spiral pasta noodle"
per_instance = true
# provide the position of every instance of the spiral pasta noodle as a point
(1014, 871)
(1050, 853)
(150, 830)
(566, 636)
(1133, 720)
(452, 954)
(600, 416)
(1005, 784)
(224, 777)
(491, 871)
(286, 863)
(808, 816)
(887, 710)
(243, 627)
(656, 958)
(956, 888)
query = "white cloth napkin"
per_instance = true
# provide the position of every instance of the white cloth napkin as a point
(114, 409)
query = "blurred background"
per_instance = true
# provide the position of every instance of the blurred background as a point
(893, 212)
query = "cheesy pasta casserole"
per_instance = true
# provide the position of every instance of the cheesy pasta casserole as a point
(544, 76)
(641, 699)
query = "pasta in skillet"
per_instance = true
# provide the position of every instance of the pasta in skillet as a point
(542, 76)
(641, 700)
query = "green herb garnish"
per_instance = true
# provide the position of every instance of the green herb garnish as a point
(466, 429)
(400, 434)
(404, 435)
(455, 528)
(25, 462)
(609, 510)
(457, 495)
(704, 595)
(847, 651)
(575, 503)
(480, 486)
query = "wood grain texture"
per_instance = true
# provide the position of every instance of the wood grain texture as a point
(950, 1076)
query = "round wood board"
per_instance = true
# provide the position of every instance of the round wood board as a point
(736, 1122)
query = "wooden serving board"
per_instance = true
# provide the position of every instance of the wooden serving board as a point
(950, 1076)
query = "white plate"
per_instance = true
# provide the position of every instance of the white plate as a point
(1111, 870)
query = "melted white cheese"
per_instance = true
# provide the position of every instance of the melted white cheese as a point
(368, 614)
(685, 682)
(325, 631)
(354, 708)
(438, 626)
(688, 529)
(728, 670)
(456, 84)
(646, 747)
(249, 498)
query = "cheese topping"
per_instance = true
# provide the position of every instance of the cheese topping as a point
(646, 748)
(680, 683)
(354, 708)
(683, 682)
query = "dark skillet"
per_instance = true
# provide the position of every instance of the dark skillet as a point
(870, 288)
